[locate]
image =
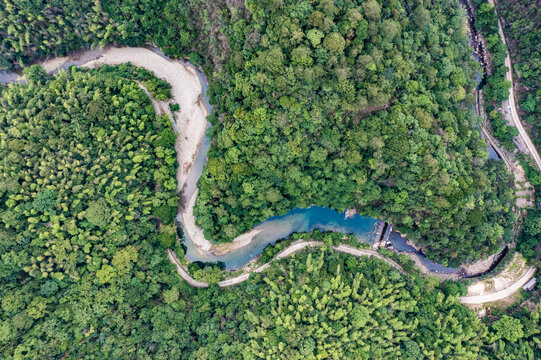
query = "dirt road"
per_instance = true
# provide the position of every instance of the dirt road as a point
(512, 116)
(182, 272)
(301, 244)
(360, 252)
(293, 248)
(499, 295)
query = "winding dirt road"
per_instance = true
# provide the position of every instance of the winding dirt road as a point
(361, 252)
(291, 249)
(512, 116)
(301, 244)
(183, 272)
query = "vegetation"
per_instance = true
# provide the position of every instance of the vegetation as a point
(522, 27)
(84, 272)
(530, 237)
(515, 337)
(318, 304)
(87, 174)
(532, 174)
(344, 103)
(323, 111)
(32, 29)
(333, 306)
(496, 89)
(349, 104)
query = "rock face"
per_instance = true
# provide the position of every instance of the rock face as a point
(350, 213)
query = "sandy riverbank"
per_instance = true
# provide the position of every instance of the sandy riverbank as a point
(190, 121)
(186, 90)
(196, 235)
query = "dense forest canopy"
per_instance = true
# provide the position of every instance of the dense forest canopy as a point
(87, 174)
(344, 103)
(33, 29)
(522, 27)
(521, 22)
(361, 104)
(88, 198)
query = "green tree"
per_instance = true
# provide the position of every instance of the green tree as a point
(508, 328)
(98, 213)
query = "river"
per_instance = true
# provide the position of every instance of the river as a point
(280, 227)
(275, 228)
(296, 221)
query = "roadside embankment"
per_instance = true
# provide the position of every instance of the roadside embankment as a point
(506, 283)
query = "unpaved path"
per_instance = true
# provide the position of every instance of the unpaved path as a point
(502, 294)
(475, 299)
(160, 107)
(301, 244)
(183, 272)
(523, 189)
(507, 282)
(512, 116)
(361, 252)
(191, 123)
(291, 249)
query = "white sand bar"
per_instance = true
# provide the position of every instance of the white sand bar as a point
(186, 90)
(190, 121)
(191, 124)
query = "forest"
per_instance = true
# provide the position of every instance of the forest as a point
(347, 103)
(88, 194)
(355, 106)
(523, 35)
(89, 199)
(522, 28)
(495, 87)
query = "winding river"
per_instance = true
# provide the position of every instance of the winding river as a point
(275, 228)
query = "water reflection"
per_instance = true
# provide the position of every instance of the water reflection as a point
(280, 227)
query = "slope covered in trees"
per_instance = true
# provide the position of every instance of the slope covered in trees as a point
(360, 105)
(87, 174)
(32, 29)
(522, 27)
(496, 88)
(345, 104)
(320, 304)
(339, 307)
